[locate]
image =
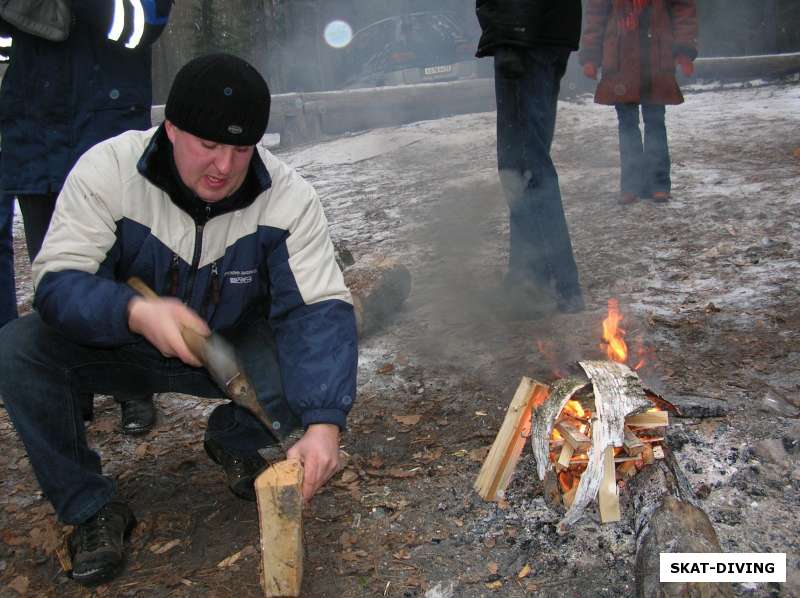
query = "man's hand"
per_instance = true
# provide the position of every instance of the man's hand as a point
(318, 451)
(687, 67)
(590, 70)
(160, 321)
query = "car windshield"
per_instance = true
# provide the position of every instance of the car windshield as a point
(414, 40)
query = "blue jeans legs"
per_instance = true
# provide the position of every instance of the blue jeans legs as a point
(540, 251)
(644, 164)
(43, 376)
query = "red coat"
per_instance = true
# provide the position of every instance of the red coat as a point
(611, 40)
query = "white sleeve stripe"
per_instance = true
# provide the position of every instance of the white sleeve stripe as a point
(138, 24)
(119, 21)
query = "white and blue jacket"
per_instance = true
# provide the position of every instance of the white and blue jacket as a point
(263, 252)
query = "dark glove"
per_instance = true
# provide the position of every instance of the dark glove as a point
(687, 66)
(508, 62)
(590, 70)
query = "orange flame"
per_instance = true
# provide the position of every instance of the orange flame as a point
(575, 408)
(615, 346)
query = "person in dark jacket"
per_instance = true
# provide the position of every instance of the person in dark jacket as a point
(531, 41)
(231, 240)
(59, 98)
(637, 44)
(8, 297)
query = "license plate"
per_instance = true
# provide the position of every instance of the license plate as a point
(438, 70)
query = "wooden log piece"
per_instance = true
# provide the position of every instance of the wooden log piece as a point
(631, 443)
(280, 517)
(649, 419)
(545, 416)
(499, 465)
(617, 393)
(564, 457)
(608, 496)
(379, 287)
(579, 441)
(667, 518)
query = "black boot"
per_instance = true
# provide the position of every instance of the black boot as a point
(240, 471)
(138, 414)
(96, 545)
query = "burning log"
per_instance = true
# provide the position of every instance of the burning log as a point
(668, 518)
(545, 416)
(617, 393)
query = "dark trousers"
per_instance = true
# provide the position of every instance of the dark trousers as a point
(37, 210)
(644, 163)
(43, 376)
(36, 213)
(541, 251)
(8, 295)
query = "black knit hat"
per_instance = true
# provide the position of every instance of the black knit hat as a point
(221, 98)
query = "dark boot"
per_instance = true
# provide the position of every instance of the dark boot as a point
(240, 471)
(138, 414)
(96, 546)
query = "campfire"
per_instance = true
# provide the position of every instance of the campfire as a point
(589, 434)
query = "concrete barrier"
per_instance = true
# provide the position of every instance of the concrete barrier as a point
(304, 117)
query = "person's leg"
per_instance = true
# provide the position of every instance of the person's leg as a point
(541, 251)
(36, 213)
(8, 296)
(137, 413)
(235, 428)
(656, 148)
(631, 158)
(234, 435)
(43, 376)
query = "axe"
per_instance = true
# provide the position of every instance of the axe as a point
(219, 357)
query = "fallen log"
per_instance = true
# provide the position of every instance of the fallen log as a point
(379, 287)
(667, 518)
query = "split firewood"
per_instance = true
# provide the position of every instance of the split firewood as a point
(564, 458)
(379, 287)
(499, 465)
(575, 438)
(608, 495)
(280, 516)
(544, 418)
(618, 392)
(647, 455)
(632, 443)
(649, 419)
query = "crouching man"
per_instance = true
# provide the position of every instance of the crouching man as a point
(233, 241)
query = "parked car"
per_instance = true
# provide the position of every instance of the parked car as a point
(419, 47)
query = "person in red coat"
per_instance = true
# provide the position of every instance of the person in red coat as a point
(637, 44)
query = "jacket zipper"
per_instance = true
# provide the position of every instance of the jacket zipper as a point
(198, 248)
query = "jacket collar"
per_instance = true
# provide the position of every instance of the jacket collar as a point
(158, 166)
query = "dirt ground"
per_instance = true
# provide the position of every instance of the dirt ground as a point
(708, 286)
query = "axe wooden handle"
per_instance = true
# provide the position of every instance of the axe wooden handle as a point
(196, 342)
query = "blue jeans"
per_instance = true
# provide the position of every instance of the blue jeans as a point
(8, 295)
(644, 166)
(541, 251)
(43, 376)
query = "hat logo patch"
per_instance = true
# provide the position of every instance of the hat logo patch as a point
(235, 130)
